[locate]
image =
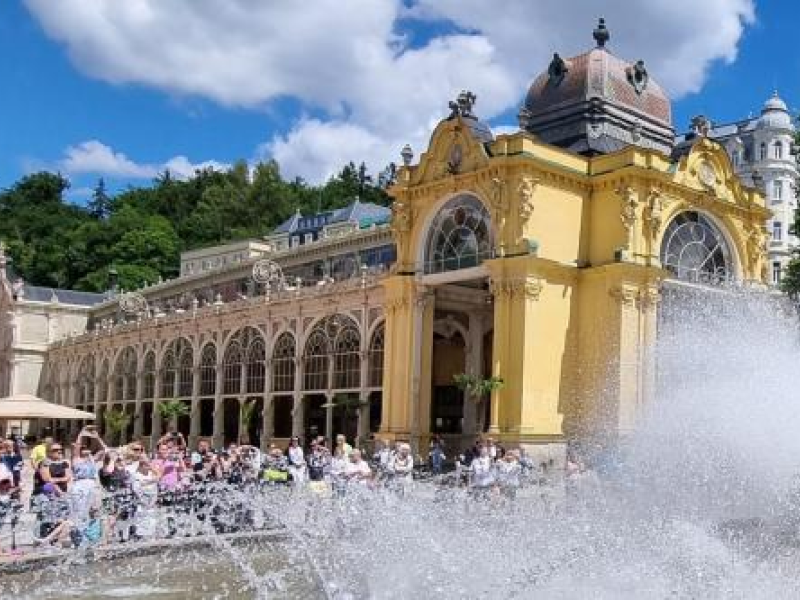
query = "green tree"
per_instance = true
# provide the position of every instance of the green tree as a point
(100, 204)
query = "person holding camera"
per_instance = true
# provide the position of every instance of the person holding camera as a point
(10, 506)
(175, 439)
(11, 459)
(85, 472)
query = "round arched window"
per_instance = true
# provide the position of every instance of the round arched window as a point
(695, 250)
(460, 236)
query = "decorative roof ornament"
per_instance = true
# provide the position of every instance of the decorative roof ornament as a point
(407, 154)
(557, 70)
(462, 105)
(133, 303)
(701, 125)
(637, 76)
(601, 34)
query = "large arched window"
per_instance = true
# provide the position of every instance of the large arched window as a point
(694, 249)
(208, 370)
(149, 375)
(129, 366)
(762, 151)
(376, 358)
(185, 371)
(256, 354)
(778, 150)
(283, 364)
(86, 374)
(232, 368)
(244, 351)
(346, 359)
(102, 380)
(169, 373)
(315, 361)
(460, 236)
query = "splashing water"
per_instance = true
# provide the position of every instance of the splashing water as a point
(712, 463)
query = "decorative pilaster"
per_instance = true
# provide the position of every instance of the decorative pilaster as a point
(526, 407)
(297, 397)
(404, 380)
(628, 208)
(137, 411)
(219, 409)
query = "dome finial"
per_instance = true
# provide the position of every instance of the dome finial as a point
(601, 34)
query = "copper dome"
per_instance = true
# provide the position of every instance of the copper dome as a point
(596, 103)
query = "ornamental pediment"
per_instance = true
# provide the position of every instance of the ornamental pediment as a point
(707, 168)
(457, 146)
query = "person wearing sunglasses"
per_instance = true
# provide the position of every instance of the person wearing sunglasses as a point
(85, 469)
(55, 469)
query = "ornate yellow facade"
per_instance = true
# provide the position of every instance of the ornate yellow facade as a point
(538, 258)
(573, 280)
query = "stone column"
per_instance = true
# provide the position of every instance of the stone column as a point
(219, 411)
(158, 395)
(267, 429)
(137, 412)
(298, 408)
(407, 358)
(424, 310)
(531, 349)
(268, 422)
(363, 415)
(194, 424)
(330, 434)
(474, 366)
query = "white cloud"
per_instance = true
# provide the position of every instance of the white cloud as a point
(94, 157)
(346, 57)
(678, 39)
(315, 150)
(181, 168)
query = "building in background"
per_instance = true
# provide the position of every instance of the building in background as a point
(32, 318)
(762, 152)
(547, 259)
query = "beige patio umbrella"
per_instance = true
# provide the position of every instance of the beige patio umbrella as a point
(24, 407)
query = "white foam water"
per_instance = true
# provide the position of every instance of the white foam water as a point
(697, 503)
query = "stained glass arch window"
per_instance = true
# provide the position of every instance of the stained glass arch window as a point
(460, 236)
(694, 249)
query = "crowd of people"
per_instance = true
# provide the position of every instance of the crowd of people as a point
(101, 494)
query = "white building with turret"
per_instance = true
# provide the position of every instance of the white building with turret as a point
(761, 149)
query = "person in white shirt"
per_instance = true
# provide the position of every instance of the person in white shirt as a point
(337, 473)
(402, 466)
(483, 476)
(357, 470)
(508, 474)
(383, 457)
(296, 461)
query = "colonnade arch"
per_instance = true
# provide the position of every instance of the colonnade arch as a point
(243, 383)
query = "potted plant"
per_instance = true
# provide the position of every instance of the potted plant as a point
(171, 410)
(247, 415)
(481, 389)
(349, 403)
(478, 387)
(116, 422)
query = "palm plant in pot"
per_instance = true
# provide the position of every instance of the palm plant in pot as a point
(171, 411)
(116, 421)
(247, 417)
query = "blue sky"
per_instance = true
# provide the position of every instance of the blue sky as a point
(94, 89)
